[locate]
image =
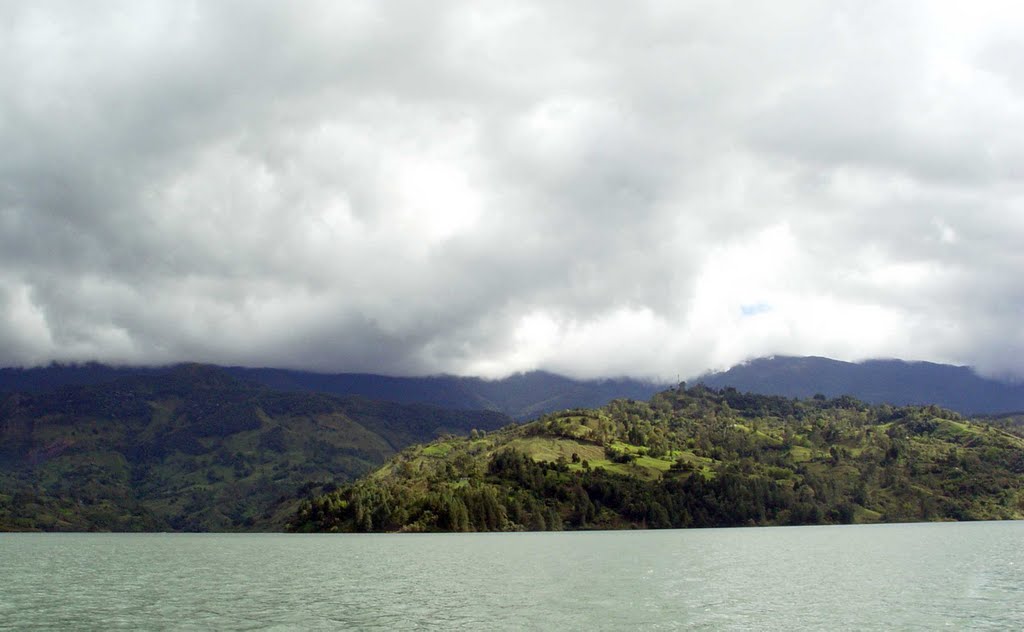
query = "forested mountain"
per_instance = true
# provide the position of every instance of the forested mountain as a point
(875, 381)
(694, 457)
(192, 448)
(521, 396)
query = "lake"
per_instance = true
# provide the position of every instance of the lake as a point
(908, 576)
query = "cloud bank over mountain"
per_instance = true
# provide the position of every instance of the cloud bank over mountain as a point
(599, 188)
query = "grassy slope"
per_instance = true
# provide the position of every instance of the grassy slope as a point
(693, 458)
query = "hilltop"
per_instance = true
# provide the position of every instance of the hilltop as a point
(696, 457)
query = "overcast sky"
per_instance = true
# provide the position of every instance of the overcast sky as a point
(595, 188)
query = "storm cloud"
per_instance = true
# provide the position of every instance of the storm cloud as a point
(596, 188)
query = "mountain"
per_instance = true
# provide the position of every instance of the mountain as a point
(525, 396)
(521, 396)
(696, 457)
(192, 448)
(875, 381)
(38, 379)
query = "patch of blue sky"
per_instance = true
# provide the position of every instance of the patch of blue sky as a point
(754, 309)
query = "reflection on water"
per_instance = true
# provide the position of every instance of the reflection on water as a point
(919, 576)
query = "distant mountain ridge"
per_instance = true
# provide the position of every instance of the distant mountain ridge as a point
(525, 396)
(895, 382)
(522, 396)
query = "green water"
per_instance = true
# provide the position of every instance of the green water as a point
(920, 576)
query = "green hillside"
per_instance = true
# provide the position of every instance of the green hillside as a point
(692, 458)
(192, 449)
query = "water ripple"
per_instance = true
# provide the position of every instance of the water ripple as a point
(927, 577)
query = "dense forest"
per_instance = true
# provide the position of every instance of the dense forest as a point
(193, 449)
(692, 457)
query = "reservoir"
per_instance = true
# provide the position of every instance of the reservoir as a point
(905, 576)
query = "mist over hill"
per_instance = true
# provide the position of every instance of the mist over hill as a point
(893, 382)
(524, 396)
(521, 396)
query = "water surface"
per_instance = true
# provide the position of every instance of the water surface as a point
(915, 576)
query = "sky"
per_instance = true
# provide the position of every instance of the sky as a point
(596, 188)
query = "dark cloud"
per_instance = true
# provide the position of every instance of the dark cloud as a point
(601, 189)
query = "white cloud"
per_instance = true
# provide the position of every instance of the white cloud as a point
(650, 189)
